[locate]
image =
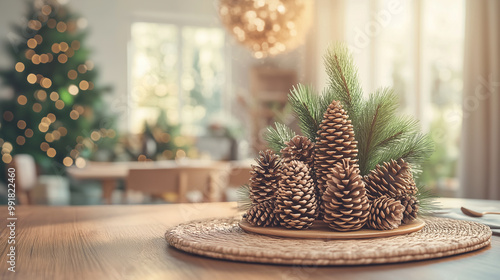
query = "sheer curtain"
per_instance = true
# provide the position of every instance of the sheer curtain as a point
(480, 146)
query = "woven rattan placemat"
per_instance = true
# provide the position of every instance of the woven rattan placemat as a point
(224, 239)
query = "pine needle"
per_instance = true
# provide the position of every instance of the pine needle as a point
(277, 136)
(344, 82)
(426, 200)
(307, 107)
(244, 201)
(383, 135)
(414, 149)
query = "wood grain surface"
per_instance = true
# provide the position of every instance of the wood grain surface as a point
(127, 242)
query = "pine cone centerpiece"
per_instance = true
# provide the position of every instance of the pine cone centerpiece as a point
(391, 179)
(296, 204)
(335, 142)
(265, 177)
(385, 213)
(345, 204)
(262, 214)
(411, 206)
(298, 148)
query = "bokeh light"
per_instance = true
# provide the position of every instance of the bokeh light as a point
(67, 161)
(22, 100)
(20, 67)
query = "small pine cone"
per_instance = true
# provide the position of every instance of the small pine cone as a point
(298, 148)
(391, 179)
(296, 204)
(385, 213)
(345, 204)
(411, 206)
(335, 142)
(265, 177)
(262, 215)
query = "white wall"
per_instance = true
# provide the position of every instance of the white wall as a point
(109, 23)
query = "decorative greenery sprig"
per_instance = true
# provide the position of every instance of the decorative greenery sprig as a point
(426, 201)
(277, 136)
(381, 133)
(343, 80)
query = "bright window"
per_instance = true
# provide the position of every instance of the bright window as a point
(416, 47)
(178, 70)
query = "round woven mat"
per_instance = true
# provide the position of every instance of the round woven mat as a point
(224, 239)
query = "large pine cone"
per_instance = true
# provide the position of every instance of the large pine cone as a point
(411, 206)
(391, 179)
(262, 214)
(335, 142)
(265, 177)
(298, 148)
(346, 206)
(296, 204)
(385, 213)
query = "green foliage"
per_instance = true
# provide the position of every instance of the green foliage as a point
(307, 107)
(277, 136)
(426, 200)
(381, 133)
(244, 200)
(54, 95)
(343, 80)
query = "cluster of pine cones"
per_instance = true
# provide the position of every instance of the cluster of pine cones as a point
(322, 180)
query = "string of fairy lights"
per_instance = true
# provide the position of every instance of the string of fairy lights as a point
(53, 130)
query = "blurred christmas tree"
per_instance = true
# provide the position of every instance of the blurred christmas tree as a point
(159, 141)
(54, 112)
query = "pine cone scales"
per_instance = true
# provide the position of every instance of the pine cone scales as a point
(411, 206)
(265, 177)
(298, 148)
(385, 213)
(296, 205)
(262, 215)
(335, 142)
(391, 179)
(345, 204)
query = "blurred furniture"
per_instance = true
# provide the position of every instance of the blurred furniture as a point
(126, 242)
(239, 175)
(269, 87)
(26, 177)
(51, 190)
(108, 173)
(209, 180)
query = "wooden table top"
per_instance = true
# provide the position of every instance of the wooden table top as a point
(127, 242)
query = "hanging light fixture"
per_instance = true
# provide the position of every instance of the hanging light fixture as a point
(267, 27)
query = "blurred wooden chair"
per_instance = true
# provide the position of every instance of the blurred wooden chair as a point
(26, 177)
(238, 175)
(209, 180)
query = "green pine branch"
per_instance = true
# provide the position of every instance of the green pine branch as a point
(381, 133)
(426, 201)
(343, 79)
(307, 107)
(414, 148)
(379, 128)
(277, 136)
(244, 200)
